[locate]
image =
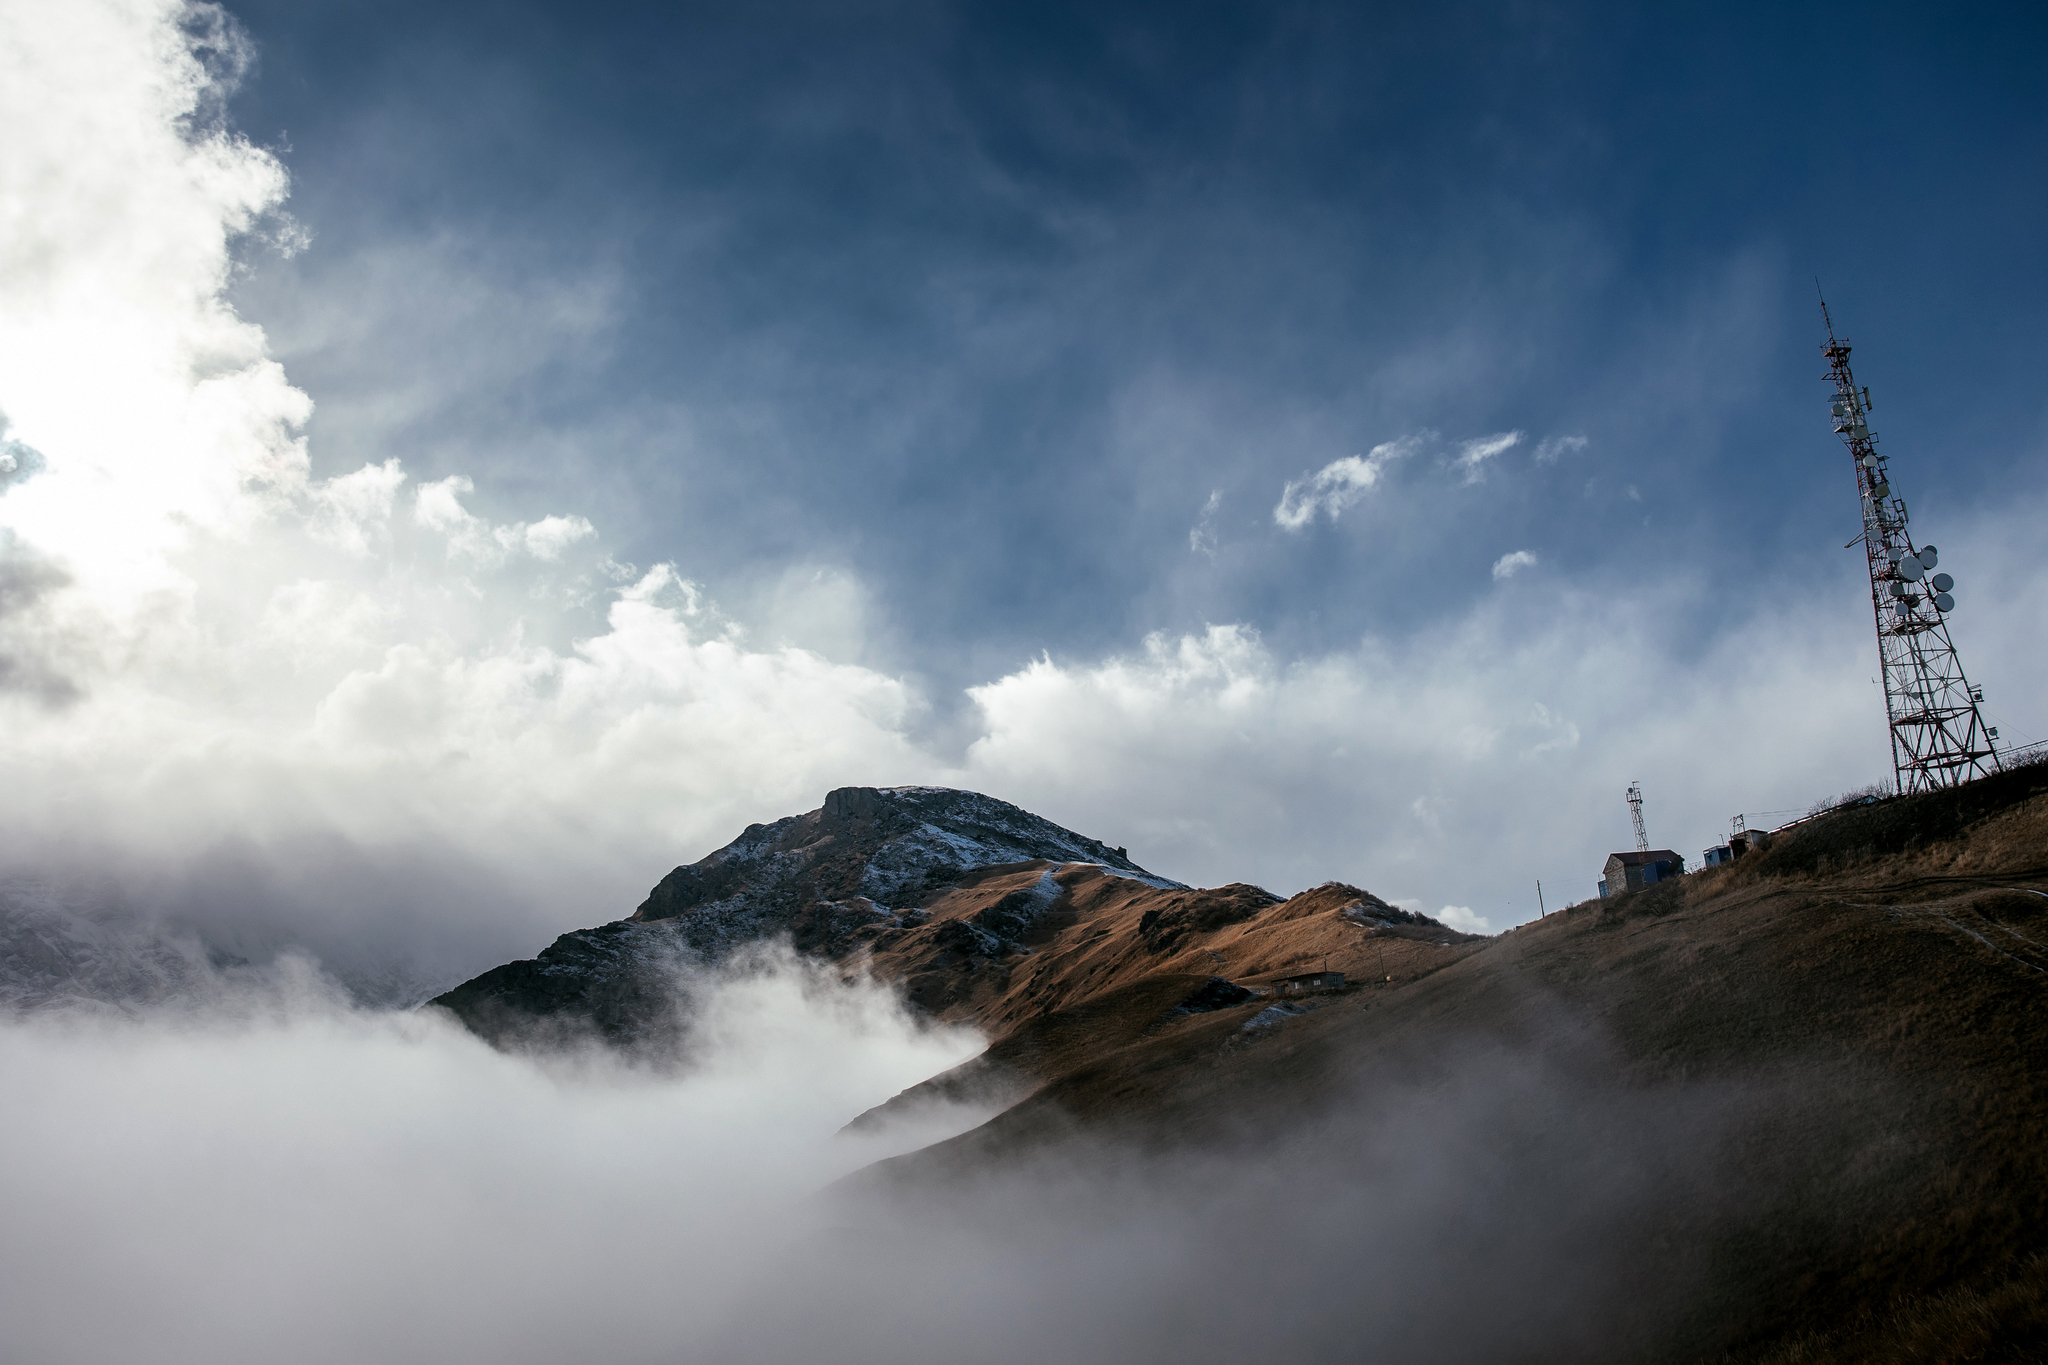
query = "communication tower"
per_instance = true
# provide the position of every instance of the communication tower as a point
(1938, 737)
(1635, 810)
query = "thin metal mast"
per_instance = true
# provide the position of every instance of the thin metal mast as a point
(1939, 738)
(1635, 810)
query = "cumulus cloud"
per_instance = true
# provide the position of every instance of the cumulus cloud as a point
(1508, 565)
(1461, 918)
(353, 511)
(1472, 456)
(1554, 446)
(1341, 483)
(265, 672)
(438, 507)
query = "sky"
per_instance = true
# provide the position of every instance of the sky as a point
(468, 460)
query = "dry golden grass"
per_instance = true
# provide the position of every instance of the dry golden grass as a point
(1873, 985)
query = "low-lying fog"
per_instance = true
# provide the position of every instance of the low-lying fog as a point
(271, 1173)
(274, 1175)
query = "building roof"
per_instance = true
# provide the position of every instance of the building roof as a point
(1655, 855)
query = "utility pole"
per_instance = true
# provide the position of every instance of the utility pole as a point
(1939, 738)
(1540, 911)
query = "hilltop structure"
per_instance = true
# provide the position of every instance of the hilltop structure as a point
(1939, 738)
(1633, 871)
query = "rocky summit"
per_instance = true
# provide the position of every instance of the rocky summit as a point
(869, 860)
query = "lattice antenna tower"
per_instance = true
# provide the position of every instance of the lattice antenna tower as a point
(1635, 811)
(1939, 738)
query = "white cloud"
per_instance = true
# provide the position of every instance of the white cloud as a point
(353, 511)
(550, 536)
(258, 658)
(1508, 565)
(1554, 446)
(1202, 535)
(1341, 483)
(1461, 918)
(438, 507)
(1473, 455)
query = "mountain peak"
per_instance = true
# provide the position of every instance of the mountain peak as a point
(867, 857)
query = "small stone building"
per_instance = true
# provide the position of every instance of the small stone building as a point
(1633, 871)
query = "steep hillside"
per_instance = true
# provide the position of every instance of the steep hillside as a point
(1852, 1024)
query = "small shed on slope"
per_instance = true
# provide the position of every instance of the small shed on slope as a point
(1309, 983)
(1632, 871)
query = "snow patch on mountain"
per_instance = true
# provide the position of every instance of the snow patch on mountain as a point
(57, 952)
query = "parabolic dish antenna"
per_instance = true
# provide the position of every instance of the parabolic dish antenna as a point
(1942, 583)
(1912, 569)
(1943, 602)
(1928, 558)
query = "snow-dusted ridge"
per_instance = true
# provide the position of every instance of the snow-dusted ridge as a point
(868, 856)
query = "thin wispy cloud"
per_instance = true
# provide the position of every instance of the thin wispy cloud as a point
(1554, 446)
(1508, 565)
(1340, 483)
(1202, 535)
(1473, 455)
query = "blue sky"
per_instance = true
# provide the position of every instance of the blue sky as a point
(982, 303)
(974, 348)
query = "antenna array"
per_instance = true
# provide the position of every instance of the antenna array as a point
(1938, 737)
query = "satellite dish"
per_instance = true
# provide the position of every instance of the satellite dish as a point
(1894, 553)
(1942, 582)
(1883, 490)
(1869, 462)
(1898, 588)
(1911, 569)
(1943, 602)
(1928, 558)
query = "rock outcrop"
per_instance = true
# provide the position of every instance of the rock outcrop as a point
(869, 859)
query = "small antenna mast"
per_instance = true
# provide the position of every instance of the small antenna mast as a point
(1824, 308)
(1635, 810)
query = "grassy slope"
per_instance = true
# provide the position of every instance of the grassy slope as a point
(1866, 999)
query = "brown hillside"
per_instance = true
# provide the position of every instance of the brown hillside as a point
(1110, 959)
(1863, 1003)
